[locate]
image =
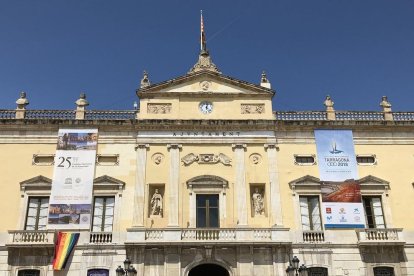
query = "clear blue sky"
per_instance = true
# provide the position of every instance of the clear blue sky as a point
(354, 50)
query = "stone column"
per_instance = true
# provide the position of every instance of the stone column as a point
(173, 184)
(240, 184)
(138, 217)
(275, 205)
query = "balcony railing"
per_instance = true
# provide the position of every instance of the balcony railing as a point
(380, 236)
(100, 238)
(313, 236)
(30, 238)
(280, 235)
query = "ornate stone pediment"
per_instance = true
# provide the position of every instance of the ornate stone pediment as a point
(206, 158)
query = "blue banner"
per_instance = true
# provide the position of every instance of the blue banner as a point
(336, 155)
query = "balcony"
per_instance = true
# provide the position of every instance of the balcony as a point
(380, 236)
(208, 235)
(31, 238)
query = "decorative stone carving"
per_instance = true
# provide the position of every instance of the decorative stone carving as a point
(157, 158)
(157, 108)
(206, 158)
(255, 158)
(156, 204)
(145, 82)
(204, 63)
(252, 108)
(258, 202)
(189, 159)
(205, 85)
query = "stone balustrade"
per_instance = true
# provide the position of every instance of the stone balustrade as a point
(100, 238)
(313, 236)
(279, 235)
(380, 236)
(30, 238)
(278, 115)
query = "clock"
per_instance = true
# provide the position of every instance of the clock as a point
(206, 107)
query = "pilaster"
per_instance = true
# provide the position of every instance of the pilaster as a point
(173, 191)
(138, 210)
(240, 183)
(275, 204)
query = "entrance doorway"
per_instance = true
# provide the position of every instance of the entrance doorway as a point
(208, 270)
(207, 211)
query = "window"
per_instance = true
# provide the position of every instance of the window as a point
(36, 218)
(43, 159)
(107, 159)
(310, 213)
(317, 271)
(207, 211)
(304, 159)
(103, 214)
(366, 160)
(383, 271)
(29, 272)
(373, 211)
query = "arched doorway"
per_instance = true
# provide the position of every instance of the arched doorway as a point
(208, 270)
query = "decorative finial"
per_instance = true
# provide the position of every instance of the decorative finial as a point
(145, 80)
(264, 82)
(330, 111)
(264, 79)
(81, 103)
(385, 103)
(22, 101)
(328, 102)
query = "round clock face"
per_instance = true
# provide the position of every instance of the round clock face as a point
(206, 107)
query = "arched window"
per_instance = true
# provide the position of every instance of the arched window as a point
(317, 271)
(29, 272)
(383, 271)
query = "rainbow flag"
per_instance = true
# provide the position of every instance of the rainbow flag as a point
(65, 243)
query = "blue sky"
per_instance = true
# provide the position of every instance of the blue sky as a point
(354, 50)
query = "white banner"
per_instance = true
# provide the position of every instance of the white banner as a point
(70, 205)
(341, 194)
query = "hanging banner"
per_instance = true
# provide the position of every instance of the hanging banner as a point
(341, 195)
(70, 204)
(341, 205)
(336, 155)
(64, 246)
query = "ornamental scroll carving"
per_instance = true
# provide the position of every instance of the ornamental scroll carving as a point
(252, 108)
(159, 108)
(206, 158)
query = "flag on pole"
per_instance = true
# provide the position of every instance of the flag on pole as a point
(63, 248)
(202, 35)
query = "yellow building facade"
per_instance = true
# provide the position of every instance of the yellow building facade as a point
(205, 178)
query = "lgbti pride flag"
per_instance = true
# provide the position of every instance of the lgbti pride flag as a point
(63, 248)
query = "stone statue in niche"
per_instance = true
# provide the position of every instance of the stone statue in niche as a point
(258, 202)
(156, 204)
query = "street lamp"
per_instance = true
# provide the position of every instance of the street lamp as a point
(127, 270)
(295, 270)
